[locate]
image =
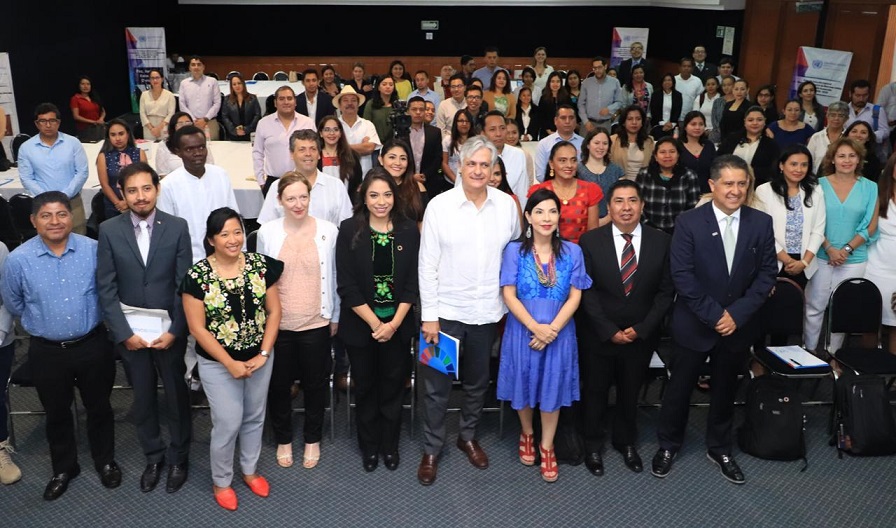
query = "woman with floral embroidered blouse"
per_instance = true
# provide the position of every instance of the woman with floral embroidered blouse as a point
(233, 310)
(307, 247)
(376, 263)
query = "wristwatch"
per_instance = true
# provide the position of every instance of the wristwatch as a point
(847, 248)
(265, 354)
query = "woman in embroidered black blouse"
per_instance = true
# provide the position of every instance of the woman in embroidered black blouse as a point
(233, 310)
(376, 263)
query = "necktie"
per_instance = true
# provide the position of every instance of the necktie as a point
(143, 240)
(628, 264)
(729, 241)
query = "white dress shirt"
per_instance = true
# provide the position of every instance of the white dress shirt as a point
(619, 242)
(200, 98)
(460, 256)
(543, 151)
(329, 201)
(193, 199)
(514, 159)
(270, 152)
(355, 134)
(445, 114)
(721, 219)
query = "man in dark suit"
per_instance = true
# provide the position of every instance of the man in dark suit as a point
(314, 103)
(702, 69)
(723, 266)
(142, 256)
(623, 313)
(426, 143)
(624, 71)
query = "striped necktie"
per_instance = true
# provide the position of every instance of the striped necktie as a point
(628, 264)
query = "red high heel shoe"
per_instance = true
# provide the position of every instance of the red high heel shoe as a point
(548, 465)
(527, 449)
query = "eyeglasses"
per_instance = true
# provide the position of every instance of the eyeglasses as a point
(46, 122)
(329, 129)
(456, 86)
(474, 97)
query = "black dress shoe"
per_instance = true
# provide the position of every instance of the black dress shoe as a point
(110, 475)
(177, 475)
(150, 477)
(595, 464)
(631, 458)
(370, 462)
(391, 461)
(59, 483)
(662, 463)
(729, 467)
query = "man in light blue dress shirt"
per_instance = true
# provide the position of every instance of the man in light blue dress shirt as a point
(50, 283)
(53, 161)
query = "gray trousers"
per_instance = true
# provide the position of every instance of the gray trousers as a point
(476, 347)
(237, 409)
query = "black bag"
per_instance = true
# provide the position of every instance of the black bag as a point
(5, 164)
(569, 444)
(774, 424)
(864, 417)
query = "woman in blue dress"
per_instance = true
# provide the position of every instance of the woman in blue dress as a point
(541, 277)
(117, 152)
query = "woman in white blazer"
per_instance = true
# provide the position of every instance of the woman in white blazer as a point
(795, 202)
(307, 248)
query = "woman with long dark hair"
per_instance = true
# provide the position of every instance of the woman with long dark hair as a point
(811, 111)
(795, 202)
(542, 278)
(329, 81)
(376, 274)
(669, 188)
(379, 107)
(632, 147)
(241, 112)
(637, 90)
(336, 156)
(461, 128)
(665, 108)
(528, 115)
(732, 117)
(499, 96)
(751, 144)
(87, 109)
(398, 160)
(698, 151)
(553, 95)
(402, 79)
(790, 129)
(118, 151)
(861, 132)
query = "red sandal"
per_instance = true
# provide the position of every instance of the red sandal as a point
(548, 465)
(527, 449)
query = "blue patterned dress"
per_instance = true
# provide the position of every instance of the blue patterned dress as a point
(113, 167)
(549, 378)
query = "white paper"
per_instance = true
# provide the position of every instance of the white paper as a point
(148, 323)
(797, 357)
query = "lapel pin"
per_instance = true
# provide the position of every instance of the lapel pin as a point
(400, 248)
(715, 233)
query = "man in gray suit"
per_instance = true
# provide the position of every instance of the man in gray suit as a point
(142, 256)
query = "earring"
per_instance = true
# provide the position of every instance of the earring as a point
(529, 232)
(551, 176)
(557, 232)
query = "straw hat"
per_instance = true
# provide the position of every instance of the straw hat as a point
(348, 90)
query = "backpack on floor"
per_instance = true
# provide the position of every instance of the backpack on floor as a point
(774, 423)
(864, 418)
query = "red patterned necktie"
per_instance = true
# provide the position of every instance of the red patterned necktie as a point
(628, 264)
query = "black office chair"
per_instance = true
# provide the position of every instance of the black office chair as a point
(234, 73)
(252, 241)
(260, 76)
(8, 232)
(214, 76)
(281, 76)
(16, 144)
(782, 314)
(855, 307)
(20, 206)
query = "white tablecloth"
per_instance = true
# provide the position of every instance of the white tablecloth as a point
(233, 156)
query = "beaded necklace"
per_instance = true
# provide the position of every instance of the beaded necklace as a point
(548, 280)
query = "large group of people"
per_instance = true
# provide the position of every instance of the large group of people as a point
(684, 200)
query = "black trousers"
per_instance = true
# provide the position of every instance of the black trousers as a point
(268, 182)
(604, 364)
(56, 371)
(685, 365)
(145, 368)
(302, 356)
(379, 371)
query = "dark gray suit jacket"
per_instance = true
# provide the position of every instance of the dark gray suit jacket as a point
(123, 278)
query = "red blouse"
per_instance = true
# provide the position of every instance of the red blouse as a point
(574, 213)
(86, 109)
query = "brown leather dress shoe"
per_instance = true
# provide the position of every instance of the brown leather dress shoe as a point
(426, 473)
(474, 452)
